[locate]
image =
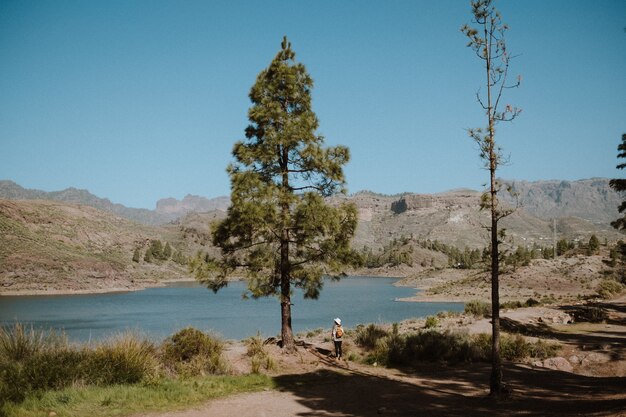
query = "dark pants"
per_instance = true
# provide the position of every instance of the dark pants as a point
(338, 348)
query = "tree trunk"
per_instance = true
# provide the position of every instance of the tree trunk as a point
(495, 385)
(285, 315)
(285, 268)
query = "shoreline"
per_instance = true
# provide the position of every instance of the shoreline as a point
(162, 283)
(420, 287)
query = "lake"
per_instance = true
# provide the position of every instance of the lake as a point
(159, 312)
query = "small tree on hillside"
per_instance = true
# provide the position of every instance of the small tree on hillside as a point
(488, 42)
(167, 251)
(619, 185)
(137, 255)
(279, 230)
(593, 246)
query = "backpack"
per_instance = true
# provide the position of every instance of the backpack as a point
(339, 331)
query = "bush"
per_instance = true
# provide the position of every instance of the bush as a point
(191, 352)
(449, 347)
(590, 314)
(478, 308)
(32, 360)
(431, 321)
(531, 302)
(124, 359)
(368, 337)
(609, 288)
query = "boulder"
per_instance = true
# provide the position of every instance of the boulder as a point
(558, 364)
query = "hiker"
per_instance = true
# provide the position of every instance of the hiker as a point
(337, 335)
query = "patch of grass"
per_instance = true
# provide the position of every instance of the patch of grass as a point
(123, 359)
(258, 355)
(124, 400)
(312, 333)
(33, 360)
(478, 308)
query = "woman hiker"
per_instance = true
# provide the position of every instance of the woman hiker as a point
(337, 335)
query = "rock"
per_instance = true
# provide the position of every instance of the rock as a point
(574, 359)
(558, 364)
(52, 414)
(595, 358)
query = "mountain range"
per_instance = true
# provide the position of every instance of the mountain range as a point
(589, 199)
(74, 240)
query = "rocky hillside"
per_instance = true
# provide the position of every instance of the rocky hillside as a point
(171, 207)
(454, 218)
(590, 199)
(52, 246)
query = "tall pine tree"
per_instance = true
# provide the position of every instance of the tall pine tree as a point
(488, 42)
(279, 230)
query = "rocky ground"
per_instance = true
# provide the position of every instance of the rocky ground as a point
(586, 379)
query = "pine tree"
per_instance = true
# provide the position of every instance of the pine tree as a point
(594, 245)
(619, 185)
(489, 44)
(279, 230)
(167, 251)
(137, 255)
(156, 249)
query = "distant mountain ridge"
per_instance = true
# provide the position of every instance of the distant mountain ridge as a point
(10, 190)
(167, 209)
(189, 204)
(589, 199)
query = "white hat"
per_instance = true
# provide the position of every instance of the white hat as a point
(338, 321)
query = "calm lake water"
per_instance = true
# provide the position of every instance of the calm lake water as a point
(159, 312)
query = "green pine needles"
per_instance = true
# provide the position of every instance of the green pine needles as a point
(280, 231)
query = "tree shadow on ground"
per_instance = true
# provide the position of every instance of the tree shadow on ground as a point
(598, 339)
(459, 391)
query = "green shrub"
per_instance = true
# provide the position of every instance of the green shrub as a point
(609, 288)
(543, 350)
(449, 347)
(531, 302)
(124, 359)
(32, 360)
(191, 352)
(367, 337)
(514, 347)
(478, 308)
(431, 321)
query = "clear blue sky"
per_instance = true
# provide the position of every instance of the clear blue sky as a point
(140, 100)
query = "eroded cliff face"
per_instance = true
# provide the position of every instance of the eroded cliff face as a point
(191, 203)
